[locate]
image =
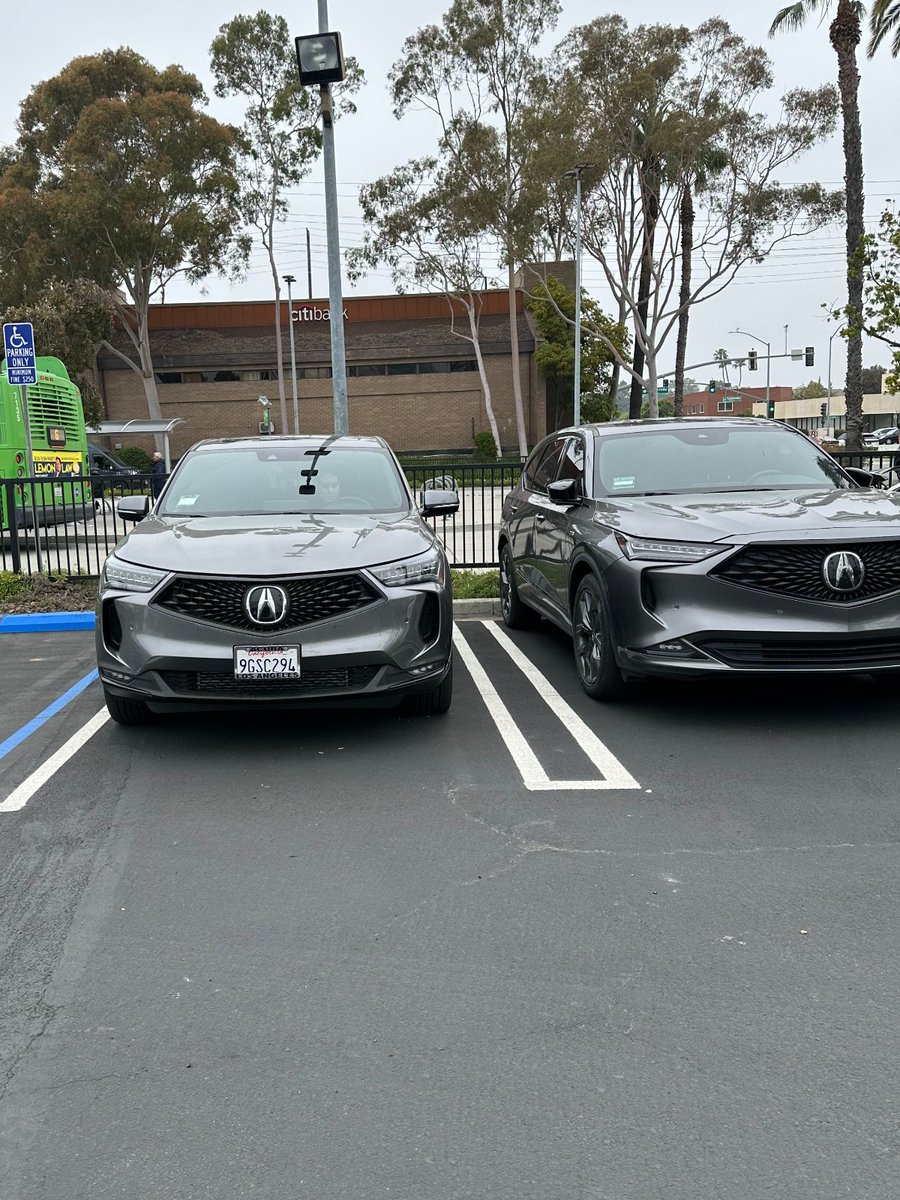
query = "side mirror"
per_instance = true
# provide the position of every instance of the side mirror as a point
(437, 503)
(867, 479)
(565, 491)
(133, 508)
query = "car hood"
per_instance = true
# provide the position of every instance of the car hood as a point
(772, 515)
(284, 545)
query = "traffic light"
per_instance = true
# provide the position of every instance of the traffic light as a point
(823, 409)
(770, 411)
(664, 390)
(810, 356)
(713, 386)
(751, 360)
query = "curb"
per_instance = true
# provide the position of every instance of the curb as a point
(51, 622)
(467, 610)
(58, 622)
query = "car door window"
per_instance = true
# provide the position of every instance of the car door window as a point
(546, 469)
(571, 461)
(533, 463)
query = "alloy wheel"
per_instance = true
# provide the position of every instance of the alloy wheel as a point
(589, 635)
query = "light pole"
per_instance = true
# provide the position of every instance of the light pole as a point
(576, 174)
(320, 60)
(828, 400)
(770, 411)
(289, 279)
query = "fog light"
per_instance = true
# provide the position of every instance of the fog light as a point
(674, 649)
(116, 676)
(429, 670)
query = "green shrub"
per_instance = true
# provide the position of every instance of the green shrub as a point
(485, 447)
(13, 587)
(475, 585)
(134, 456)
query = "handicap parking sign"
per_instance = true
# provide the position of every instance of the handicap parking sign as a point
(18, 345)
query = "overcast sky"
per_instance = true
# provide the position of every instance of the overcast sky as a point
(788, 290)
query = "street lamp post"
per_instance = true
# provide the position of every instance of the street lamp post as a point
(768, 346)
(576, 174)
(320, 60)
(289, 279)
(828, 400)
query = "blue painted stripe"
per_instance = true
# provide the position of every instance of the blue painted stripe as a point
(51, 622)
(51, 710)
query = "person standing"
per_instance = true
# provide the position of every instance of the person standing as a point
(157, 474)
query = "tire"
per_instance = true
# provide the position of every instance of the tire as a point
(516, 615)
(595, 659)
(126, 712)
(434, 703)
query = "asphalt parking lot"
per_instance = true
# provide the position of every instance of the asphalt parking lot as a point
(539, 947)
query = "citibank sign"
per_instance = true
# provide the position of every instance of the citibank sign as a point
(314, 313)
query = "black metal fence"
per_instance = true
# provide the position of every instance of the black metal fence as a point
(62, 527)
(65, 536)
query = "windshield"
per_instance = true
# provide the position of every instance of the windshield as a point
(255, 481)
(711, 459)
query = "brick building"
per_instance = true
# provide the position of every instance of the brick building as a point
(732, 402)
(411, 379)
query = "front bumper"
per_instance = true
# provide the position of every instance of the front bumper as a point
(681, 622)
(376, 654)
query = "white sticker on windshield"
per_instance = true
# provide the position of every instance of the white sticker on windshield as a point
(187, 501)
(623, 481)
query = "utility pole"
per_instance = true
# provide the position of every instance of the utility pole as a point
(576, 174)
(289, 279)
(309, 265)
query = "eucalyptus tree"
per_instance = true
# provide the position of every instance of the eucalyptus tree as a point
(253, 57)
(663, 110)
(417, 226)
(475, 74)
(135, 182)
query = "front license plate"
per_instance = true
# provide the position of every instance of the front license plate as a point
(267, 662)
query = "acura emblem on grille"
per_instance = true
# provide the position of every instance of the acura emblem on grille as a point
(265, 604)
(843, 571)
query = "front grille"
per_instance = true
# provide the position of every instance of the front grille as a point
(310, 598)
(334, 679)
(795, 569)
(808, 654)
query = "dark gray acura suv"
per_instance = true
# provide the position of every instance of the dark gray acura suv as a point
(278, 571)
(698, 547)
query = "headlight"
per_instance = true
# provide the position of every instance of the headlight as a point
(424, 568)
(673, 552)
(127, 578)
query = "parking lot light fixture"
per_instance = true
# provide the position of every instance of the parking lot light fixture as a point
(320, 60)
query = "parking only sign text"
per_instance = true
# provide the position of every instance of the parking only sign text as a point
(18, 345)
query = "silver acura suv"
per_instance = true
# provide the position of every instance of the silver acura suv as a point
(278, 571)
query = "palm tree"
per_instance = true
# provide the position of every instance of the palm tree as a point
(884, 19)
(844, 33)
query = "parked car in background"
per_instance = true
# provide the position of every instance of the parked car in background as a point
(278, 571)
(106, 470)
(700, 548)
(888, 436)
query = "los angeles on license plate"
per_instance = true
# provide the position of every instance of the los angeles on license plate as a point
(267, 662)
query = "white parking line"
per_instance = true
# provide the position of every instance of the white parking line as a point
(534, 776)
(19, 798)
